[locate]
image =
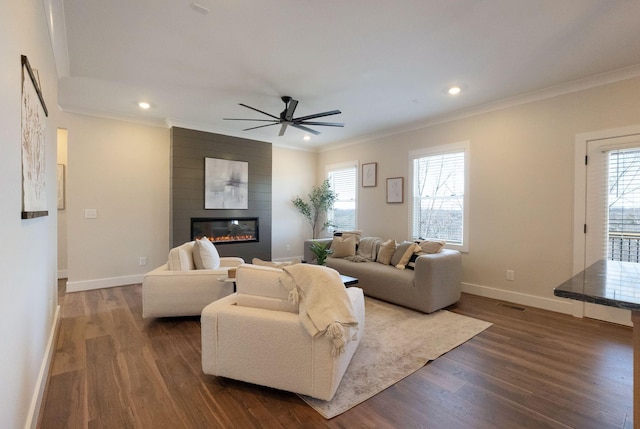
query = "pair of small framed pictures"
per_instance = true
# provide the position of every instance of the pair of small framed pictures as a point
(395, 185)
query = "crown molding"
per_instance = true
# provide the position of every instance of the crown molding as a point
(529, 97)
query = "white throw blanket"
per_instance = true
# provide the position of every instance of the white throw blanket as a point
(324, 306)
(368, 248)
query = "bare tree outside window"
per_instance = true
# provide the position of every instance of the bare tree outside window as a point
(439, 197)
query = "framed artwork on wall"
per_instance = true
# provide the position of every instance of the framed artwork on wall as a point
(369, 174)
(395, 190)
(226, 184)
(33, 141)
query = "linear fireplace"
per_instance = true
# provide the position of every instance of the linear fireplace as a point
(225, 230)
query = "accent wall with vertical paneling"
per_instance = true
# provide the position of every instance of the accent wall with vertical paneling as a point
(189, 148)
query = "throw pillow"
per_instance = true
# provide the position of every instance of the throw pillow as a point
(355, 234)
(401, 248)
(411, 265)
(343, 247)
(181, 257)
(406, 257)
(386, 252)
(432, 246)
(205, 255)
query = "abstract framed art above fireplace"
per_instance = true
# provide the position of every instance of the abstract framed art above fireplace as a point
(226, 184)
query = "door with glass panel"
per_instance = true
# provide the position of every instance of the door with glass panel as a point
(612, 230)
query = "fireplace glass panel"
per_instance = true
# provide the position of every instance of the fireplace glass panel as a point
(225, 230)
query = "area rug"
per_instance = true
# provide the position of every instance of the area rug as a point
(396, 343)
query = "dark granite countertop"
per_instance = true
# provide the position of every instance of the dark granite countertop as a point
(611, 283)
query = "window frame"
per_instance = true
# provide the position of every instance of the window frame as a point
(463, 146)
(343, 166)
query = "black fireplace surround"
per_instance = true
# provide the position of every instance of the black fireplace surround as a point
(225, 230)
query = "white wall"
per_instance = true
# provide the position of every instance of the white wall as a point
(521, 187)
(120, 169)
(28, 299)
(294, 174)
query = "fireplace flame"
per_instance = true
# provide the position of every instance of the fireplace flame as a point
(225, 238)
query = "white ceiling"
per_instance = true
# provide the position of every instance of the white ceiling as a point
(385, 64)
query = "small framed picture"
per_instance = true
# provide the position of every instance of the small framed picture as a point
(395, 190)
(369, 175)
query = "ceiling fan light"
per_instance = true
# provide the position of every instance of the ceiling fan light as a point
(454, 90)
(144, 105)
(307, 137)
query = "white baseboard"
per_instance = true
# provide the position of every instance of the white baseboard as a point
(38, 394)
(558, 305)
(63, 274)
(77, 286)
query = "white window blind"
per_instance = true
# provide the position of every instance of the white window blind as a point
(438, 196)
(624, 205)
(343, 181)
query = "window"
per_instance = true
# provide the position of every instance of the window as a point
(343, 179)
(438, 198)
(624, 205)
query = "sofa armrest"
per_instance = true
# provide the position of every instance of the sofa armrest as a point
(308, 254)
(438, 279)
(182, 293)
(164, 272)
(231, 261)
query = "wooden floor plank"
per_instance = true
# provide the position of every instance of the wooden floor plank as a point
(532, 368)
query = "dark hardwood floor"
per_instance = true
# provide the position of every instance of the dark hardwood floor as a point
(531, 369)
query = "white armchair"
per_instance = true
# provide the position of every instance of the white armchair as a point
(178, 289)
(256, 336)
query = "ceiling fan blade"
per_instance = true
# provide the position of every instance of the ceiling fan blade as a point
(242, 119)
(258, 110)
(317, 115)
(290, 109)
(260, 126)
(283, 128)
(326, 124)
(309, 130)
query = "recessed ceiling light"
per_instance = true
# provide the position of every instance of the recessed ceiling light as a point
(454, 90)
(307, 137)
(144, 105)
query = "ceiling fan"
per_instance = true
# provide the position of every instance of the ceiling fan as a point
(286, 118)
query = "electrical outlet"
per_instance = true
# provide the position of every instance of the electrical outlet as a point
(511, 275)
(288, 248)
(143, 261)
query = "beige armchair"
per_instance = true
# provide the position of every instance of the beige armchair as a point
(256, 336)
(177, 288)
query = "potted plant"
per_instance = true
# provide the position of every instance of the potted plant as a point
(321, 250)
(321, 199)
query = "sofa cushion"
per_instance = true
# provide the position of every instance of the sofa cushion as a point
(205, 255)
(262, 287)
(181, 257)
(386, 252)
(343, 246)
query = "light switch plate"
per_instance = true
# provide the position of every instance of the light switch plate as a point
(90, 213)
